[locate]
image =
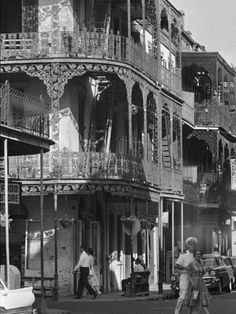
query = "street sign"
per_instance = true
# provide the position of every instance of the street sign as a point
(14, 192)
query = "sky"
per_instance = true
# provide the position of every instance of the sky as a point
(212, 24)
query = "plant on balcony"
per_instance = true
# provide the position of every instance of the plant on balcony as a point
(3, 220)
(66, 221)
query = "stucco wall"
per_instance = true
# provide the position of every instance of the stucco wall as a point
(65, 238)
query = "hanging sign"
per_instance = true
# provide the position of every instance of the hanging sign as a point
(14, 192)
(233, 174)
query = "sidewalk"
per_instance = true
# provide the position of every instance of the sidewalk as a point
(110, 297)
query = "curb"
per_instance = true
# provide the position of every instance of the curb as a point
(56, 311)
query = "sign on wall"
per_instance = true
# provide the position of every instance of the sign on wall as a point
(233, 173)
(14, 192)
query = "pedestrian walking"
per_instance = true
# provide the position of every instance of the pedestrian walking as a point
(83, 268)
(182, 265)
(197, 293)
(93, 280)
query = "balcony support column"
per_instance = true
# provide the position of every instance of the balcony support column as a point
(173, 235)
(182, 225)
(6, 212)
(145, 141)
(129, 19)
(129, 86)
(161, 248)
(158, 34)
(129, 28)
(144, 26)
(43, 304)
(55, 198)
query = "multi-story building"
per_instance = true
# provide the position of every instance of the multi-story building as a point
(111, 71)
(209, 146)
(24, 129)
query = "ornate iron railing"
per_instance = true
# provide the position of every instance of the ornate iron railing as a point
(86, 44)
(212, 114)
(33, 121)
(92, 165)
(79, 165)
(37, 124)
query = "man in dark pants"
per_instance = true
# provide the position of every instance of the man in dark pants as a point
(83, 267)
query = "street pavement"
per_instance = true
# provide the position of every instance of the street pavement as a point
(114, 303)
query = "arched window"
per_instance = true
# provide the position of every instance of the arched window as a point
(137, 121)
(176, 141)
(220, 83)
(164, 20)
(226, 90)
(197, 80)
(232, 153)
(166, 137)
(152, 128)
(174, 33)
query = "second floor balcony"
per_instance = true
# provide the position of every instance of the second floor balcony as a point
(214, 114)
(92, 45)
(23, 112)
(93, 166)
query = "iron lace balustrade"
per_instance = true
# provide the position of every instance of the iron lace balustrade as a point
(213, 114)
(33, 117)
(82, 44)
(74, 165)
(92, 165)
(37, 124)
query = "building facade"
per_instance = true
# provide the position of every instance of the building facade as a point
(208, 83)
(111, 72)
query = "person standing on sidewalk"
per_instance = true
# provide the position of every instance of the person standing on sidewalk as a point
(83, 267)
(182, 264)
(93, 280)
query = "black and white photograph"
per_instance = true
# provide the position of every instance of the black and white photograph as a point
(117, 157)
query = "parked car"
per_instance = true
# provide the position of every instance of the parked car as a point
(22, 298)
(217, 278)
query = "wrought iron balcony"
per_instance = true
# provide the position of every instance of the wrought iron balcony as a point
(23, 112)
(214, 114)
(81, 165)
(94, 166)
(90, 45)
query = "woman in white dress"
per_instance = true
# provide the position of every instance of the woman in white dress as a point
(93, 280)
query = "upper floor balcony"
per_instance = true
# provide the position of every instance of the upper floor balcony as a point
(94, 45)
(213, 114)
(23, 112)
(24, 123)
(94, 166)
(199, 184)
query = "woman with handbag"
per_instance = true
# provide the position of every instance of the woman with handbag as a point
(92, 278)
(197, 292)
